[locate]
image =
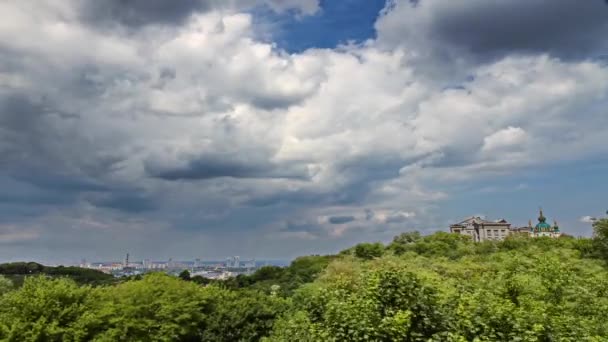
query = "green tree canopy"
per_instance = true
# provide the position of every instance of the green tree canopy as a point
(600, 238)
(369, 251)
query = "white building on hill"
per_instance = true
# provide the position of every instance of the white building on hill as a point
(481, 229)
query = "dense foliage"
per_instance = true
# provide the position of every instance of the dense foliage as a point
(445, 288)
(440, 287)
(17, 270)
(157, 308)
(301, 271)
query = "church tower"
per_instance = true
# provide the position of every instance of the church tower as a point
(543, 228)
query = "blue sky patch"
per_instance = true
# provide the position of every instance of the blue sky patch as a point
(338, 22)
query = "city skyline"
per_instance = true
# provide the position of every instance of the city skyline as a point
(274, 129)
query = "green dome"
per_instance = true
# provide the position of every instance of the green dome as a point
(542, 225)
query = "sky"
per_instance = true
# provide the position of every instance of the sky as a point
(278, 128)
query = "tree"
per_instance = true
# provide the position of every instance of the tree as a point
(369, 251)
(184, 275)
(243, 315)
(157, 308)
(442, 287)
(301, 271)
(600, 238)
(43, 309)
(80, 275)
(5, 285)
(450, 289)
(403, 241)
(380, 304)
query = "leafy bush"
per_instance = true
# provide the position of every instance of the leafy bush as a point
(369, 251)
(5, 285)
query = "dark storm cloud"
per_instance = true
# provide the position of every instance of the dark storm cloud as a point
(274, 101)
(137, 13)
(30, 148)
(216, 166)
(34, 132)
(60, 182)
(566, 29)
(22, 127)
(127, 202)
(396, 218)
(300, 197)
(369, 214)
(345, 195)
(18, 193)
(37, 146)
(310, 227)
(46, 161)
(341, 219)
(371, 167)
(359, 176)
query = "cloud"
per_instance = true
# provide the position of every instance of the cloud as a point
(587, 219)
(489, 30)
(127, 202)
(184, 122)
(142, 12)
(15, 235)
(508, 138)
(139, 13)
(340, 219)
(394, 216)
(307, 7)
(215, 166)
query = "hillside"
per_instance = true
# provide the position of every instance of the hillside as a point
(16, 271)
(440, 287)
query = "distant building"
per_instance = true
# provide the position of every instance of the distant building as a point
(520, 230)
(542, 228)
(481, 229)
(233, 262)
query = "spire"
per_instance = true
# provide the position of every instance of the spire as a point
(541, 217)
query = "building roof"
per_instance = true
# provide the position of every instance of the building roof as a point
(478, 220)
(543, 226)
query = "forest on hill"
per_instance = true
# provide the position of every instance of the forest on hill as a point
(17, 271)
(440, 287)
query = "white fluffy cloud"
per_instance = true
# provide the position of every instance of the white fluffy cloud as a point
(588, 219)
(510, 137)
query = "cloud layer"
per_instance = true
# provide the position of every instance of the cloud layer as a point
(123, 124)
